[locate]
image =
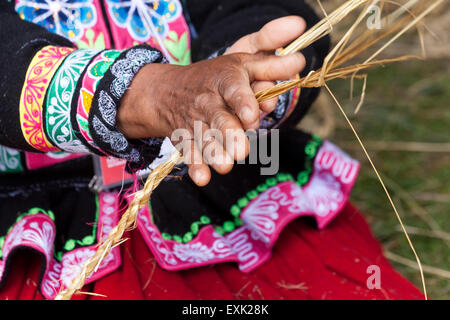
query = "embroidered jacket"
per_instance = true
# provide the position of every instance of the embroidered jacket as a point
(67, 63)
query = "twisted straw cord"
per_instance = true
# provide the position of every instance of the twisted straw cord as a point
(127, 222)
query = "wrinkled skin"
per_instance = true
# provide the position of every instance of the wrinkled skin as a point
(218, 92)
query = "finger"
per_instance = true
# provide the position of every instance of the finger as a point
(239, 96)
(272, 68)
(210, 142)
(269, 105)
(198, 170)
(273, 35)
(188, 149)
(235, 141)
(200, 174)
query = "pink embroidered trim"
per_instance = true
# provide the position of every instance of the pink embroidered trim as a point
(264, 218)
(323, 197)
(37, 231)
(36, 161)
(88, 86)
(39, 75)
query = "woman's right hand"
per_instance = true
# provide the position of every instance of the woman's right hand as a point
(217, 93)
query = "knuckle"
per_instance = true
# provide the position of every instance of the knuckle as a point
(202, 100)
(220, 120)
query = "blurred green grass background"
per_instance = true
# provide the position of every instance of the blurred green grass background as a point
(405, 124)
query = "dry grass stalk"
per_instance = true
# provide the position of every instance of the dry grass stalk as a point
(409, 263)
(442, 235)
(409, 146)
(338, 56)
(127, 222)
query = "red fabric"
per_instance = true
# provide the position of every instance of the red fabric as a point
(306, 264)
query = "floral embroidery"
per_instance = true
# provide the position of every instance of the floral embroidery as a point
(196, 252)
(13, 231)
(125, 69)
(59, 99)
(178, 47)
(39, 74)
(144, 18)
(92, 41)
(117, 141)
(235, 221)
(36, 230)
(107, 108)
(262, 214)
(116, 80)
(80, 114)
(68, 18)
(10, 160)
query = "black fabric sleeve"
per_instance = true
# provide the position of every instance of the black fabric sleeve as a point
(19, 41)
(106, 101)
(219, 23)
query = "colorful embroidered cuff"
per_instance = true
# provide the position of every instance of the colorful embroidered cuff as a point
(82, 100)
(106, 100)
(40, 72)
(57, 121)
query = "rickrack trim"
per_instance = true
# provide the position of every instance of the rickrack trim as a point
(31, 211)
(87, 240)
(70, 243)
(228, 226)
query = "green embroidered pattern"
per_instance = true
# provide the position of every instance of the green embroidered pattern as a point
(237, 208)
(178, 47)
(98, 43)
(87, 240)
(188, 236)
(58, 126)
(311, 149)
(303, 176)
(10, 160)
(32, 211)
(99, 68)
(228, 226)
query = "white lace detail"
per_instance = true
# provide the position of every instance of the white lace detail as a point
(107, 108)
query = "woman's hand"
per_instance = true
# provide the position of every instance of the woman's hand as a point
(274, 35)
(217, 93)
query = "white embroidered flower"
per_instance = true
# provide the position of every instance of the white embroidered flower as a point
(325, 194)
(50, 283)
(145, 18)
(42, 235)
(196, 252)
(260, 215)
(72, 263)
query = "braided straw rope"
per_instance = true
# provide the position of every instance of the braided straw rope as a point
(127, 222)
(396, 24)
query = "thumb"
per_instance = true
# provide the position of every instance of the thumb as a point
(272, 68)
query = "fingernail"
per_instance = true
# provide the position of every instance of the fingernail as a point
(198, 176)
(246, 114)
